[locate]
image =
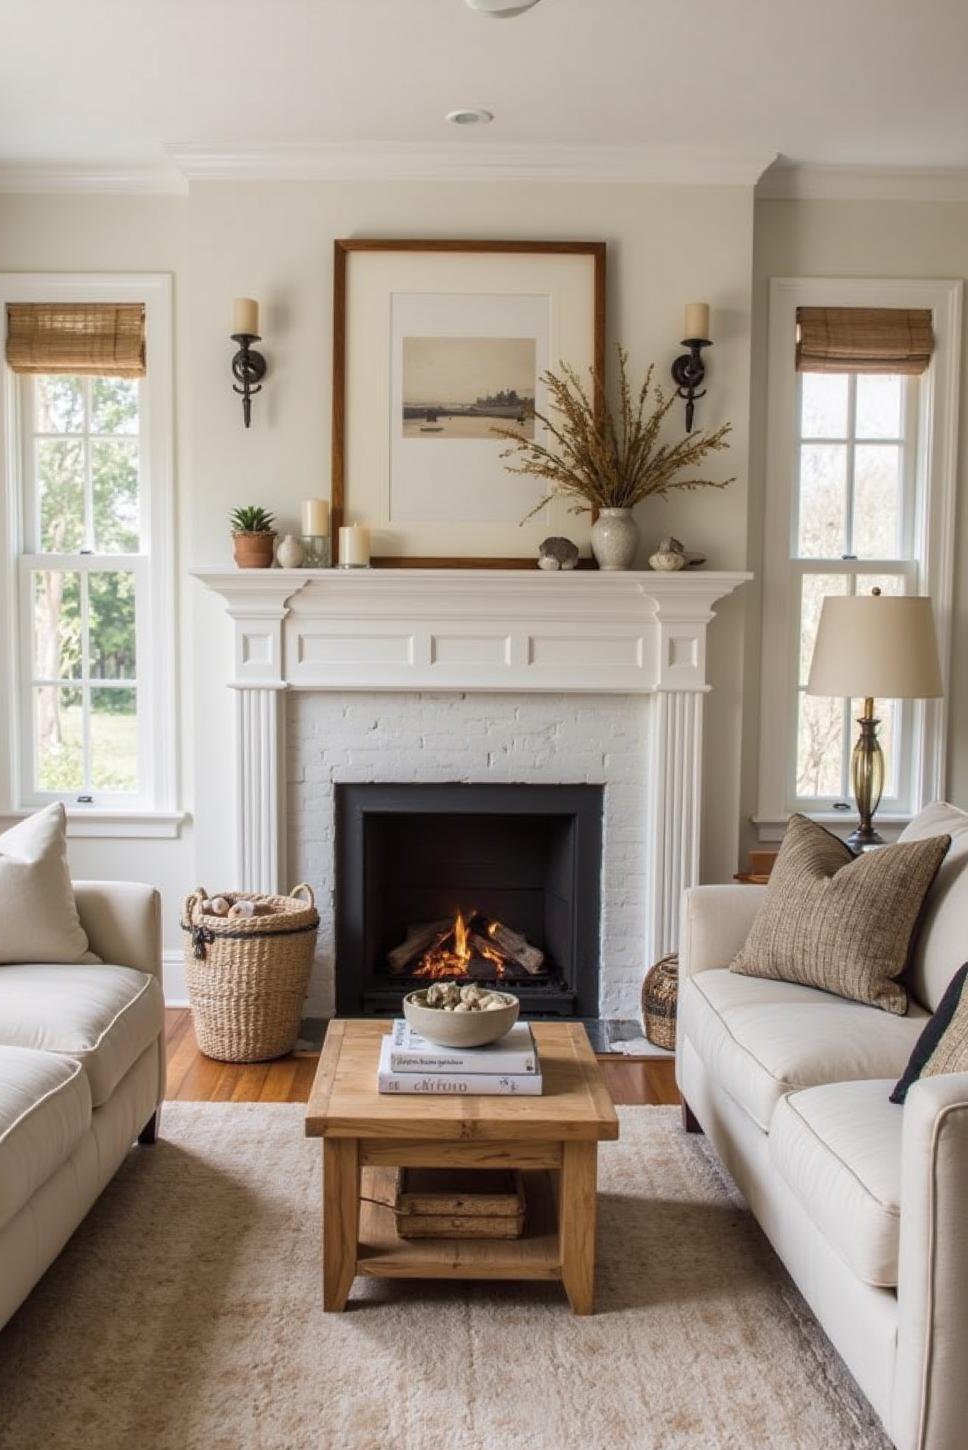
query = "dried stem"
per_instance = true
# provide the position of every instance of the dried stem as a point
(600, 459)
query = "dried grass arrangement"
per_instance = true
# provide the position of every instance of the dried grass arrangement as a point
(604, 459)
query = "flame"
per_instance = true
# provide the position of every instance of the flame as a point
(443, 961)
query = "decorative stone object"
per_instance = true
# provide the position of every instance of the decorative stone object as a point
(557, 553)
(672, 555)
(615, 537)
(290, 553)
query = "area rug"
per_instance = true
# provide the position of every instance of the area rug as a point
(185, 1315)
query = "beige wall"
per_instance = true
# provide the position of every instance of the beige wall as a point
(667, 246)
(853, 239)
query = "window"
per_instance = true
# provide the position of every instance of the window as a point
(860, 470)
(88, 460)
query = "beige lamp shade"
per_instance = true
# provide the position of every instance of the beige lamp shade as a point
(876, 645)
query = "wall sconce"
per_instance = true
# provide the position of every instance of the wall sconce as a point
(689, 370)
(248, 366)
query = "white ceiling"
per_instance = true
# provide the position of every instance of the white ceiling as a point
(828, 82)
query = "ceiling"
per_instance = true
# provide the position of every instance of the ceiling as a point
(827, 82)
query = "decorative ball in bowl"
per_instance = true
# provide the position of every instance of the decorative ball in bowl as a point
(453, 1016)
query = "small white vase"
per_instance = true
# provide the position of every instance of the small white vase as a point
(615, 538)
(290, 553)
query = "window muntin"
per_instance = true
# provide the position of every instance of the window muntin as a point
(851, 529)
(83, 594)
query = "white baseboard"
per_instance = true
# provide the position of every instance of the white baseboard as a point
(173, 970)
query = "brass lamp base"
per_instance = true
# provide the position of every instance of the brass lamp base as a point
(867, 778)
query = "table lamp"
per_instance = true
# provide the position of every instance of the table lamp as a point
(874, 646)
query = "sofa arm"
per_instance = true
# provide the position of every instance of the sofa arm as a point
(930, 1405)
(123, 922)
(714, 924)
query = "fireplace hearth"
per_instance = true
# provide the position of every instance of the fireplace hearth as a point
(497, 883)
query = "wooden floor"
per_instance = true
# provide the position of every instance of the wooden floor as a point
(193, 1078)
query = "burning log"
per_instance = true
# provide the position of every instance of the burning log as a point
(516, 947)
(420, 939)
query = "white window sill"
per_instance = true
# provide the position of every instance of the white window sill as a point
(89, 821)
(772, 828)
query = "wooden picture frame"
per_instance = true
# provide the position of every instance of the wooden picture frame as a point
(570, 290)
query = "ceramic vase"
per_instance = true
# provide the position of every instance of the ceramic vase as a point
(615, 537)
(290, 553)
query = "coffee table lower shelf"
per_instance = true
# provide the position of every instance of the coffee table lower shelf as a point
(383, 1255)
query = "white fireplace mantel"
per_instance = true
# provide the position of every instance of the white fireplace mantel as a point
(512, 630)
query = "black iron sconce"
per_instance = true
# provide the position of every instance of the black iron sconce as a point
(689, 370)
(248, 366)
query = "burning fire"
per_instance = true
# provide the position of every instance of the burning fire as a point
(456, 949)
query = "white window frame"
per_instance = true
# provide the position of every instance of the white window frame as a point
(933, 535)
(154, 812)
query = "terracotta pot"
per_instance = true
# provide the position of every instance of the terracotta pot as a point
(254, 551)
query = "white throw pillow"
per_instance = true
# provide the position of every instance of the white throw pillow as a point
(38, 913)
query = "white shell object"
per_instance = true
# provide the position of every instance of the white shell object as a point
(666, 562)
(220, 907)
(242, 908)
(547, 562)
(290, 553)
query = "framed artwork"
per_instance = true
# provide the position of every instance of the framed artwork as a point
(435, 345)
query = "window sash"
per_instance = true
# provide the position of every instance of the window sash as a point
(138, 566)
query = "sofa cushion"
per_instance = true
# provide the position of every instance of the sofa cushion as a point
(45, 1110)
(838, 1149)
(102, 1015)
(762, 1039)
(940, 945)
(841, 922)
(37, 906)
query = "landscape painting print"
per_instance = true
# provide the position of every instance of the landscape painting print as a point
(465, 387)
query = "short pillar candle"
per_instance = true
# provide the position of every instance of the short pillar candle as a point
(245, 317)
(697, 321)
(315, 518)
(354, 547)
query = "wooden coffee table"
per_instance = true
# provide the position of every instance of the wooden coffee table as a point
(553, 1139)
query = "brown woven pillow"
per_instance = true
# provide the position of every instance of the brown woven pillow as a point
(841, 922)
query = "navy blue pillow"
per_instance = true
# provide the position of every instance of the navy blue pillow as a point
(936, 1027)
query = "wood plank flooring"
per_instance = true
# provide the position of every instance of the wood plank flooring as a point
(193, 1078)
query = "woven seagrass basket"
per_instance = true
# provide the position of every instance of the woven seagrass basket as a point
(247, 976)
(660, 993)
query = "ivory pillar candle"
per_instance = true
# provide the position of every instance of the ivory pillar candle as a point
(315, 518)
(245, 316)
(697, 320)
(354, 547)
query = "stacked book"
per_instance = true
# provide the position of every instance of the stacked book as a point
(411, 1064)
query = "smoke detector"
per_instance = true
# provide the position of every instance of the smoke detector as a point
(500, 9)
(469, 116)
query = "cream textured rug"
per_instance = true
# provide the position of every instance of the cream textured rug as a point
(185, 1315)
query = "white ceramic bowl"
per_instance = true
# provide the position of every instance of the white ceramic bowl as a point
(460, 1029)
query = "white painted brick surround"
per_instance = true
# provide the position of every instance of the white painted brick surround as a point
(393, 737)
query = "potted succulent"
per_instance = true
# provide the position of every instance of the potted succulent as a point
(253, 537)
(606, 461)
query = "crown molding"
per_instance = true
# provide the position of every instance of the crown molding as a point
(161, 179)
(863, 183)
(469, 161)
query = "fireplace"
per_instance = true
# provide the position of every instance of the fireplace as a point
(498, 882)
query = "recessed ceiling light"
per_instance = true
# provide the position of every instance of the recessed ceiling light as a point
(501, 9)
(470, 116)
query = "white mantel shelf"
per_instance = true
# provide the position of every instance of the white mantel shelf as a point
(465, 630)
(470, 629)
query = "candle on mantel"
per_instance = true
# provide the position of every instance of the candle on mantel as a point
(354, 547)
(245, 316)
(697, 321)
(315, 518)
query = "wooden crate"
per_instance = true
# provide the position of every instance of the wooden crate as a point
(456, 1203)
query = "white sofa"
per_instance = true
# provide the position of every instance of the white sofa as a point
(82, 1069)
(866, 1202)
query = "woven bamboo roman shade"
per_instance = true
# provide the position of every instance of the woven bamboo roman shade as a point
(864, 340)
(107, 338)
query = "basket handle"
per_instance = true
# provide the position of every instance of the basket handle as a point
(304, 886)
(194, 900)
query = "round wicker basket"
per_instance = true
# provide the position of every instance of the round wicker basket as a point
(660, 992)
(247, 976)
